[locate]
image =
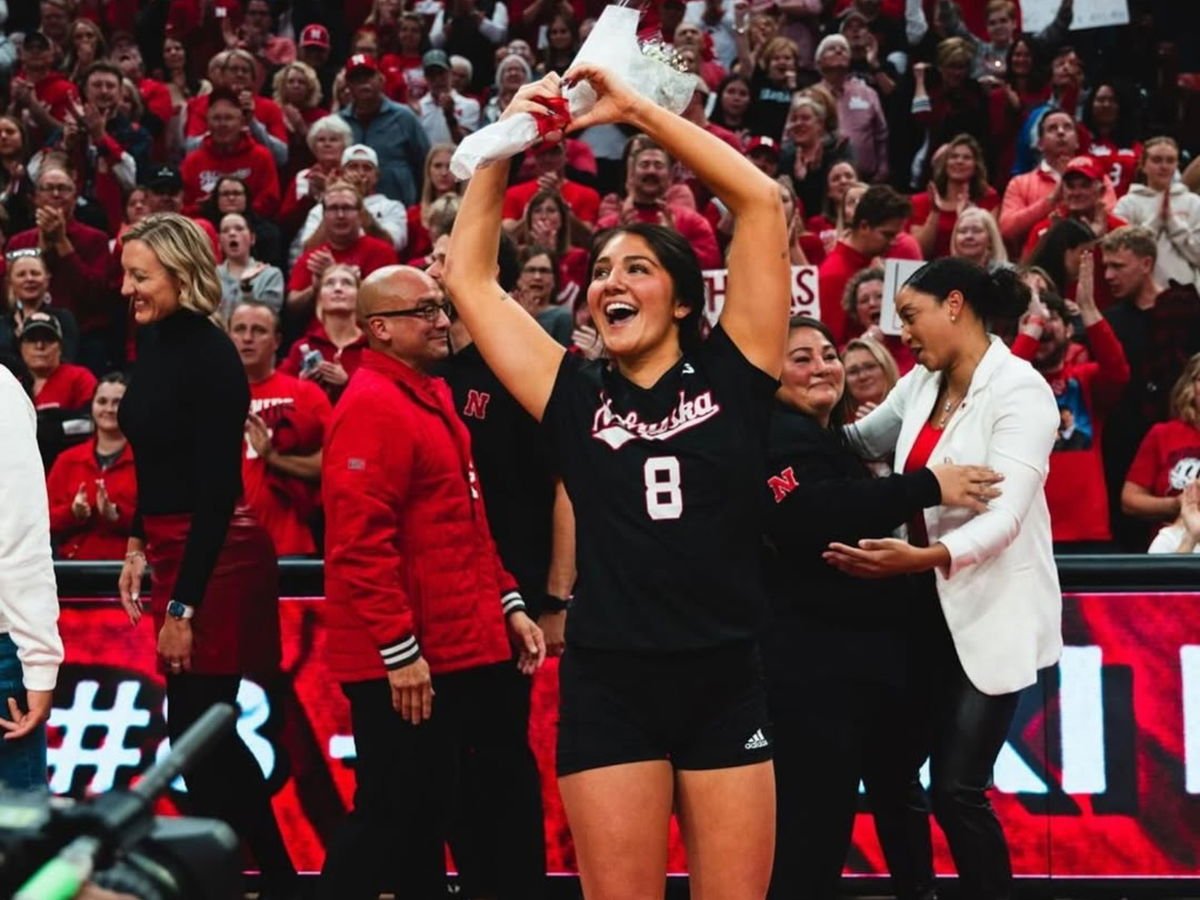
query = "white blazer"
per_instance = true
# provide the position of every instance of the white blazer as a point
(1000, 594)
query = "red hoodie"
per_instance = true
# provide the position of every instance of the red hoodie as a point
(249, 160)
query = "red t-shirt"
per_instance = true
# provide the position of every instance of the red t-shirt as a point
(368, 253)
(842, 263)
(1168, 459)
(582, 200)
(1120, 163)
(918, 458)
(68, 387)
(297, 414)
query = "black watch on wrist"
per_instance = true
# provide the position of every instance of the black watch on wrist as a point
(552, 604)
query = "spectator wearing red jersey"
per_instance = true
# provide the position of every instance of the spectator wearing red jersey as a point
(551, 161)
(342, 239)
(1086, 392)
(546, 225)
(82, 271)
(646, 201)
(1168, 459)
(156, 95)
(236, 72)
(52, 383)
(1084, 190)
(92, 487)
(331, 349)
(878, 219)
(1110, 116)
(227, 149)
(960, 179)
(419, 602)
(40, 90)
(281, 468)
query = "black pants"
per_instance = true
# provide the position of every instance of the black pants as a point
(407, 782)
(227, 783)
(968, 728)
(842, 713)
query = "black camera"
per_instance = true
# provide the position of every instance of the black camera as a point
(50, 848)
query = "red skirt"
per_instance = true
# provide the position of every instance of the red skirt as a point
(236, 630)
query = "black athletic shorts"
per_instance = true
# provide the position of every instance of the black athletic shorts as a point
(703, 709)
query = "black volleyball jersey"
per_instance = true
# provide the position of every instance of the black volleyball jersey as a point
(666, 483)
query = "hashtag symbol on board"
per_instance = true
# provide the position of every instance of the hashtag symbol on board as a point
(111, 753)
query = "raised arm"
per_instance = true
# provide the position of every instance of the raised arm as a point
(758, 292)
(523, 356)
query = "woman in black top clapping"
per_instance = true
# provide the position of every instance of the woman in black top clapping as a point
(215, 599)
(844, 685)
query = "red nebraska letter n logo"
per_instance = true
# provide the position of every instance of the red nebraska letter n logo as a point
(476, 406)
(782, 484)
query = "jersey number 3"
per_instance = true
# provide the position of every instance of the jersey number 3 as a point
(664, 499)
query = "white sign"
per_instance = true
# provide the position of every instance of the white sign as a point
(895, 273)
(1037, 14)
(806, 300)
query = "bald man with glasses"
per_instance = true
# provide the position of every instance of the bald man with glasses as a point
(427, 633)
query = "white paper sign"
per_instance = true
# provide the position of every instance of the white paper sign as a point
(806, 300)
(1037, 14)
(895, 273)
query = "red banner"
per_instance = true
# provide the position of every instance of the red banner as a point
(1099, 778)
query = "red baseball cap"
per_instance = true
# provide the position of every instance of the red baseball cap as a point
(315, 36)
(360, 61)
(759, 142)
(1085, 166)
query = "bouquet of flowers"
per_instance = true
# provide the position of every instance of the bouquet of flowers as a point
(648, 68)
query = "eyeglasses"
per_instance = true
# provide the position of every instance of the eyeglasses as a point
(56, 188)
(339, 209)
(427, 311)
(538, 270)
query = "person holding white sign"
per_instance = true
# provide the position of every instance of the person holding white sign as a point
(999, 616)
(663, 705)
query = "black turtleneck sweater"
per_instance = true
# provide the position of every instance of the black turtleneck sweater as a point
(184, 414)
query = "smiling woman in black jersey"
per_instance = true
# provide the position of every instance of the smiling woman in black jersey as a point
(661, 451)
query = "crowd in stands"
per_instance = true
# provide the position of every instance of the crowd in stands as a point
(312, 141)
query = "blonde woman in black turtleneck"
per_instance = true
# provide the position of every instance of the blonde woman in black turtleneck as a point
(214, 601)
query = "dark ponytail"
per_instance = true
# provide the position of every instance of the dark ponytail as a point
(1000, 294)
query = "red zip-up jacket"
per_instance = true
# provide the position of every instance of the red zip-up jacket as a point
(410, 566)
(249, 160)
(96, 537)
(1075, 488)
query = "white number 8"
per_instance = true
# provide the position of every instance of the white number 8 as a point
(664, 499)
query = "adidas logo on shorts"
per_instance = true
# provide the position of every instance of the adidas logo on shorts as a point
(757, 741)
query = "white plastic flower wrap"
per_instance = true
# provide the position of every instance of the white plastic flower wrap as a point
(649, 69)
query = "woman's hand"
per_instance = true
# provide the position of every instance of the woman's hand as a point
(129, 585)
(175, 644)
(532, 98)
(883, 558)
(865, 410)
(1085, 289)
(107, 509)
(80, 508)
(968, 487)
(616, 101)
(587, 340)
(1189, 509)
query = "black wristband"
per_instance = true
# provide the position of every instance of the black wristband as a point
(552, 604)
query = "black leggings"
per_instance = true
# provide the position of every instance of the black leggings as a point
(227, 783)
(968, 728)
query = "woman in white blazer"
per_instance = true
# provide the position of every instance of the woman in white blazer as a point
(1171, 211)
(998, 616)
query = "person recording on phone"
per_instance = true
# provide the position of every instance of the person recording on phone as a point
(331, 349)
